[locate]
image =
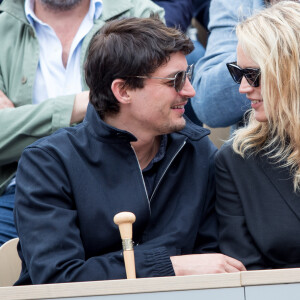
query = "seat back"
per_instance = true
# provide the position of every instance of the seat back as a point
(10, 263)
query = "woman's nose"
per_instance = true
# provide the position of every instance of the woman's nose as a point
(245, 87)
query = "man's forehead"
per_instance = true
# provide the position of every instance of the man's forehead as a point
(175, 64)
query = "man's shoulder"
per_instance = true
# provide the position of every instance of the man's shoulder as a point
(12, 20)
(13, 9)
(129, 8)
(226, 149)
(58, 141)
(226, 155)
(147, 4)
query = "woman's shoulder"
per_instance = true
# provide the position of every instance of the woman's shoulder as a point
(227, 155)
(225, 150)
(249, 158)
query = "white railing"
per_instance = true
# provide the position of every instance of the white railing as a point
(252, 285)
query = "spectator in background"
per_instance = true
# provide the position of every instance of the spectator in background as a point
(178, 14)
(43, 48)
(201, 12)
(201, 17)
(218, 102)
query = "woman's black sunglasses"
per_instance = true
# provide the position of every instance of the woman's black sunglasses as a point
(252, 75)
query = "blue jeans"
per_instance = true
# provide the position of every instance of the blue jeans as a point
(7, 224)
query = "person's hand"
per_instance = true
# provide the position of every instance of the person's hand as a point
(80, 106)
(4, 101)
(197, 264)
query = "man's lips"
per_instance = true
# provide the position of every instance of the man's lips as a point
(179, 105)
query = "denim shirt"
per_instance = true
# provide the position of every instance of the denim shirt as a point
(218, 102)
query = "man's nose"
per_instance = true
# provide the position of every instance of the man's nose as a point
(187, 90)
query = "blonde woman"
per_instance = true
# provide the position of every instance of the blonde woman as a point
(258, 171)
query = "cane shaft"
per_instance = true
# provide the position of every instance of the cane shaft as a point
(129, 264)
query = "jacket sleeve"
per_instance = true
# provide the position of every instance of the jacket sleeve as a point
(21, 126)
(47, 224)
(218, 102)
(235, 238)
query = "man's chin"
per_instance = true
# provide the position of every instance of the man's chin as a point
(173, 127)
(179, 126)
(59, 5)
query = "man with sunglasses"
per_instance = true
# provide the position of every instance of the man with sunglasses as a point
(135, 151)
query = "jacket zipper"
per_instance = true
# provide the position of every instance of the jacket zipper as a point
(142, 179)
(166, 170)
(149, 201)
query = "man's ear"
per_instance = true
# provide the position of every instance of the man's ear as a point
(120, 91)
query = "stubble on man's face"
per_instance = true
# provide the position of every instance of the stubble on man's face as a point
(60, 5)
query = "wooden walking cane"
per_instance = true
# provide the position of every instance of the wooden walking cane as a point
(124, 220)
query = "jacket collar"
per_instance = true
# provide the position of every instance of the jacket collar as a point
(193, 131)
(100, 129)
(14, 8)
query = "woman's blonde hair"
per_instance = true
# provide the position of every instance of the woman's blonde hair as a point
(271, 38)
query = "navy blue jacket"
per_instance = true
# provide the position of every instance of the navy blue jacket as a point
(178, 13)
(258, 211)
(72, 183)
(201, 12)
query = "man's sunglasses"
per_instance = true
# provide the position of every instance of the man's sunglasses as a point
(252, 75)
(179, 78)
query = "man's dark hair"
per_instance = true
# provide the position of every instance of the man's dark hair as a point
(128, 47)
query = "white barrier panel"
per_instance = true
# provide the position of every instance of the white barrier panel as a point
(267, 284)
(283, 284)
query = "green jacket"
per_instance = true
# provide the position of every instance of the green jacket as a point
(19, 55)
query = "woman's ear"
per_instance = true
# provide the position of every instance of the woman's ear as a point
(120, 91)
